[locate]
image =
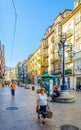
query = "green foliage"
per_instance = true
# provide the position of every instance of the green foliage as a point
(29, 80)
(40, 81)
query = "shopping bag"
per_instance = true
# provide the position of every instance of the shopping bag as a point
(49, 114)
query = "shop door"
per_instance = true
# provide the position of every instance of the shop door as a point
(68, 83)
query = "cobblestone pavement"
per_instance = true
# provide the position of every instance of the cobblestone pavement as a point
(25, 117)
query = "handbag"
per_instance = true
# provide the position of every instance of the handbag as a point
(49, 114)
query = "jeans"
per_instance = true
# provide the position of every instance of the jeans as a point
(43, 111)
(12, 92)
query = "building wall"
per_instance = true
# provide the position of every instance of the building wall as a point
(2, 63)
(46, 59)
(72, 26)
(35, 63)
(11, 73)
(50, 52)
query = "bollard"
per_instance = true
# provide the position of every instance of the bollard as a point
(33, 88)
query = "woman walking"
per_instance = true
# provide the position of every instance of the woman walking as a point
(42, 104)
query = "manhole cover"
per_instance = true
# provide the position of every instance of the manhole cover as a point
(69, 127)
(12, 108)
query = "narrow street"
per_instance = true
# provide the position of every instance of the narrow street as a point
(24, 116)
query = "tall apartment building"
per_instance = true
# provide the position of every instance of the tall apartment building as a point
(71, 25)
(46, 59)
(2, 63)
(69, 22)
(35, 64)
(47, 44)
(51, 62)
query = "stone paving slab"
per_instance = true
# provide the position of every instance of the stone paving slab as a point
(25, 118)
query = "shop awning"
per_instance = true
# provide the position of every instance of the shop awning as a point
(47, 75)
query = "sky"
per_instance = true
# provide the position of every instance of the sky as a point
(33, 18)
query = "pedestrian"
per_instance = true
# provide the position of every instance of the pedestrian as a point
(13, 87)
(55, 93)
(2, 84)
(77, 86)
(42, 104)
(47, 89)
(80, 86)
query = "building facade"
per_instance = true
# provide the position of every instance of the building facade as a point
(22, 68)
(47, 44)
(72, 27)
(11, 74)
(35, 64)
(69, 22)
(57, 37)
(2, 63)
(45, 58)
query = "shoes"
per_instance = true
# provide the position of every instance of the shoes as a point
(43, 121)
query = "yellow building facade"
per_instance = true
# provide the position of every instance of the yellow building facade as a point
(46, 59)
(2, 63)
(69, 22)
(35, 63)
(71, 25)
(47, 44)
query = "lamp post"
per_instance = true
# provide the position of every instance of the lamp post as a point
(65, 96)
(62, 49)
(23, 74)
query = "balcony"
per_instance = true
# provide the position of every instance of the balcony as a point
(45, 70)
(68, 71)
(52, 51)
(57, 58)
(52, 39)
(57, 67)
(45, 52)
(57, 39)
(68, 60)
(45, 63)
(45, 46)
(39, 61)
(69, 33)
(45, 55)
(52, 60)
(57, 71)
(68, 49)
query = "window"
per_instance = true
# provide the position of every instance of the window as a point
(69, 26)
(77, 35)
(69, 40)
(77, 17)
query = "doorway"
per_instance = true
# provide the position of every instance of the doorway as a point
(68, 83)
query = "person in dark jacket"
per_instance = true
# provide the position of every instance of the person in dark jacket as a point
(78, 86)
(56, 93)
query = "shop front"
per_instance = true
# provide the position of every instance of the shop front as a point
(47, 83)
(57, 80)
(77, 71)
(57, 73)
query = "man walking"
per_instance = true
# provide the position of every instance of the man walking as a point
(13, 87)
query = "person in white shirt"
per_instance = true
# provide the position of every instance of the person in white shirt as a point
(42, 103)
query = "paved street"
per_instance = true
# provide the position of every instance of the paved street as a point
(25, 117)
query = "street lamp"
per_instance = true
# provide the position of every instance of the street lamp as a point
(23, 74)
(64, 94)
(62, 54)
